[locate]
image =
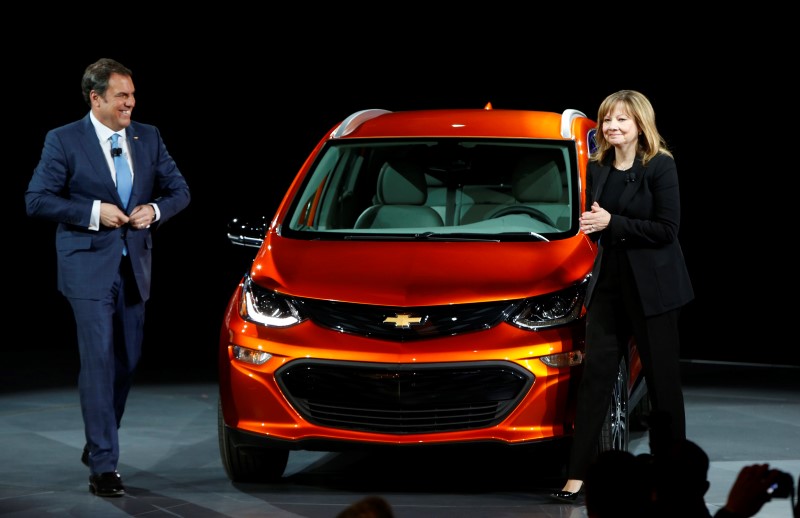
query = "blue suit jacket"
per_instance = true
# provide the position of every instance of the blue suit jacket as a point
(71, 174)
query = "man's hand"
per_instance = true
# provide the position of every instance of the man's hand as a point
(142, 216)
(111, 216)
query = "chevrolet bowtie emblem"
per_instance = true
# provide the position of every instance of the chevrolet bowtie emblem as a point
(403, 320)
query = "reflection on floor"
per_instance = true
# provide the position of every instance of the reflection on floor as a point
(740, 414)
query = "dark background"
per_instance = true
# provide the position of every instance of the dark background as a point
(241, 115)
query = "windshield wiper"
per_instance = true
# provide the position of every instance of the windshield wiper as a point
(433, 236)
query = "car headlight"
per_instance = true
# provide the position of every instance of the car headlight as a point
(266, 307)
(551, 310)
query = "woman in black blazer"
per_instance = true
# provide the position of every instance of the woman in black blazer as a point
(639, 280)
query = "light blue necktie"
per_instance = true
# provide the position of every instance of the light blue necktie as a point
(124, 180)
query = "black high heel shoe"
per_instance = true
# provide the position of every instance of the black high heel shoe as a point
(566, 496)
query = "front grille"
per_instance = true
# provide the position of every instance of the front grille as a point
(380, 321)
(403, 398)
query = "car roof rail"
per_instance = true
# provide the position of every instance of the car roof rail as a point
(355, 120)
(566, 121)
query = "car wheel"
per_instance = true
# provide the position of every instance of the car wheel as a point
(249, 464)
(615, 434)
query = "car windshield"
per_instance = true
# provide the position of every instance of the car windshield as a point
(438, 188)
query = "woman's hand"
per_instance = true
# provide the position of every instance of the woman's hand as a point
(595, 220)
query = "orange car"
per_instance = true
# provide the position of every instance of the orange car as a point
(421, 283)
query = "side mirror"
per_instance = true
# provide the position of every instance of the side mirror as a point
(248, 233)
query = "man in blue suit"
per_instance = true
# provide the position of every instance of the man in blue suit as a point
(104, 246)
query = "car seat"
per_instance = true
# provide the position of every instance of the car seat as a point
(538, 184)
(401, 195)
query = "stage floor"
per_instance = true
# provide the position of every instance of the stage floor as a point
(739, 414)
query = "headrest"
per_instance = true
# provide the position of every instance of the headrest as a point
(537, 181)
(402, 183)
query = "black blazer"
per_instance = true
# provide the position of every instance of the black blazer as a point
(646, 228)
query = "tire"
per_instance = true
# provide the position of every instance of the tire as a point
(249, 464)
(615, 434)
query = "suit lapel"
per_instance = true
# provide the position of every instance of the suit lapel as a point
(134, 148)
(95, 153)
(636, 173)
(602, 176)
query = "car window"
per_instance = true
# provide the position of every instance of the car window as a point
(507, 188)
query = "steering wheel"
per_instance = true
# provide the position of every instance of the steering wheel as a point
(522, 209)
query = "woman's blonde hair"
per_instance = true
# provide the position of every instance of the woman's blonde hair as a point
(650, 144)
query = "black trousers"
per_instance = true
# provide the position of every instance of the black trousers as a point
(615, 312)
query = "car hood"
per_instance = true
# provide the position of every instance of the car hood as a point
(402, 273)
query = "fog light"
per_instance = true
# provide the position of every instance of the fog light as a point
(250, 355)
(567, 359)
